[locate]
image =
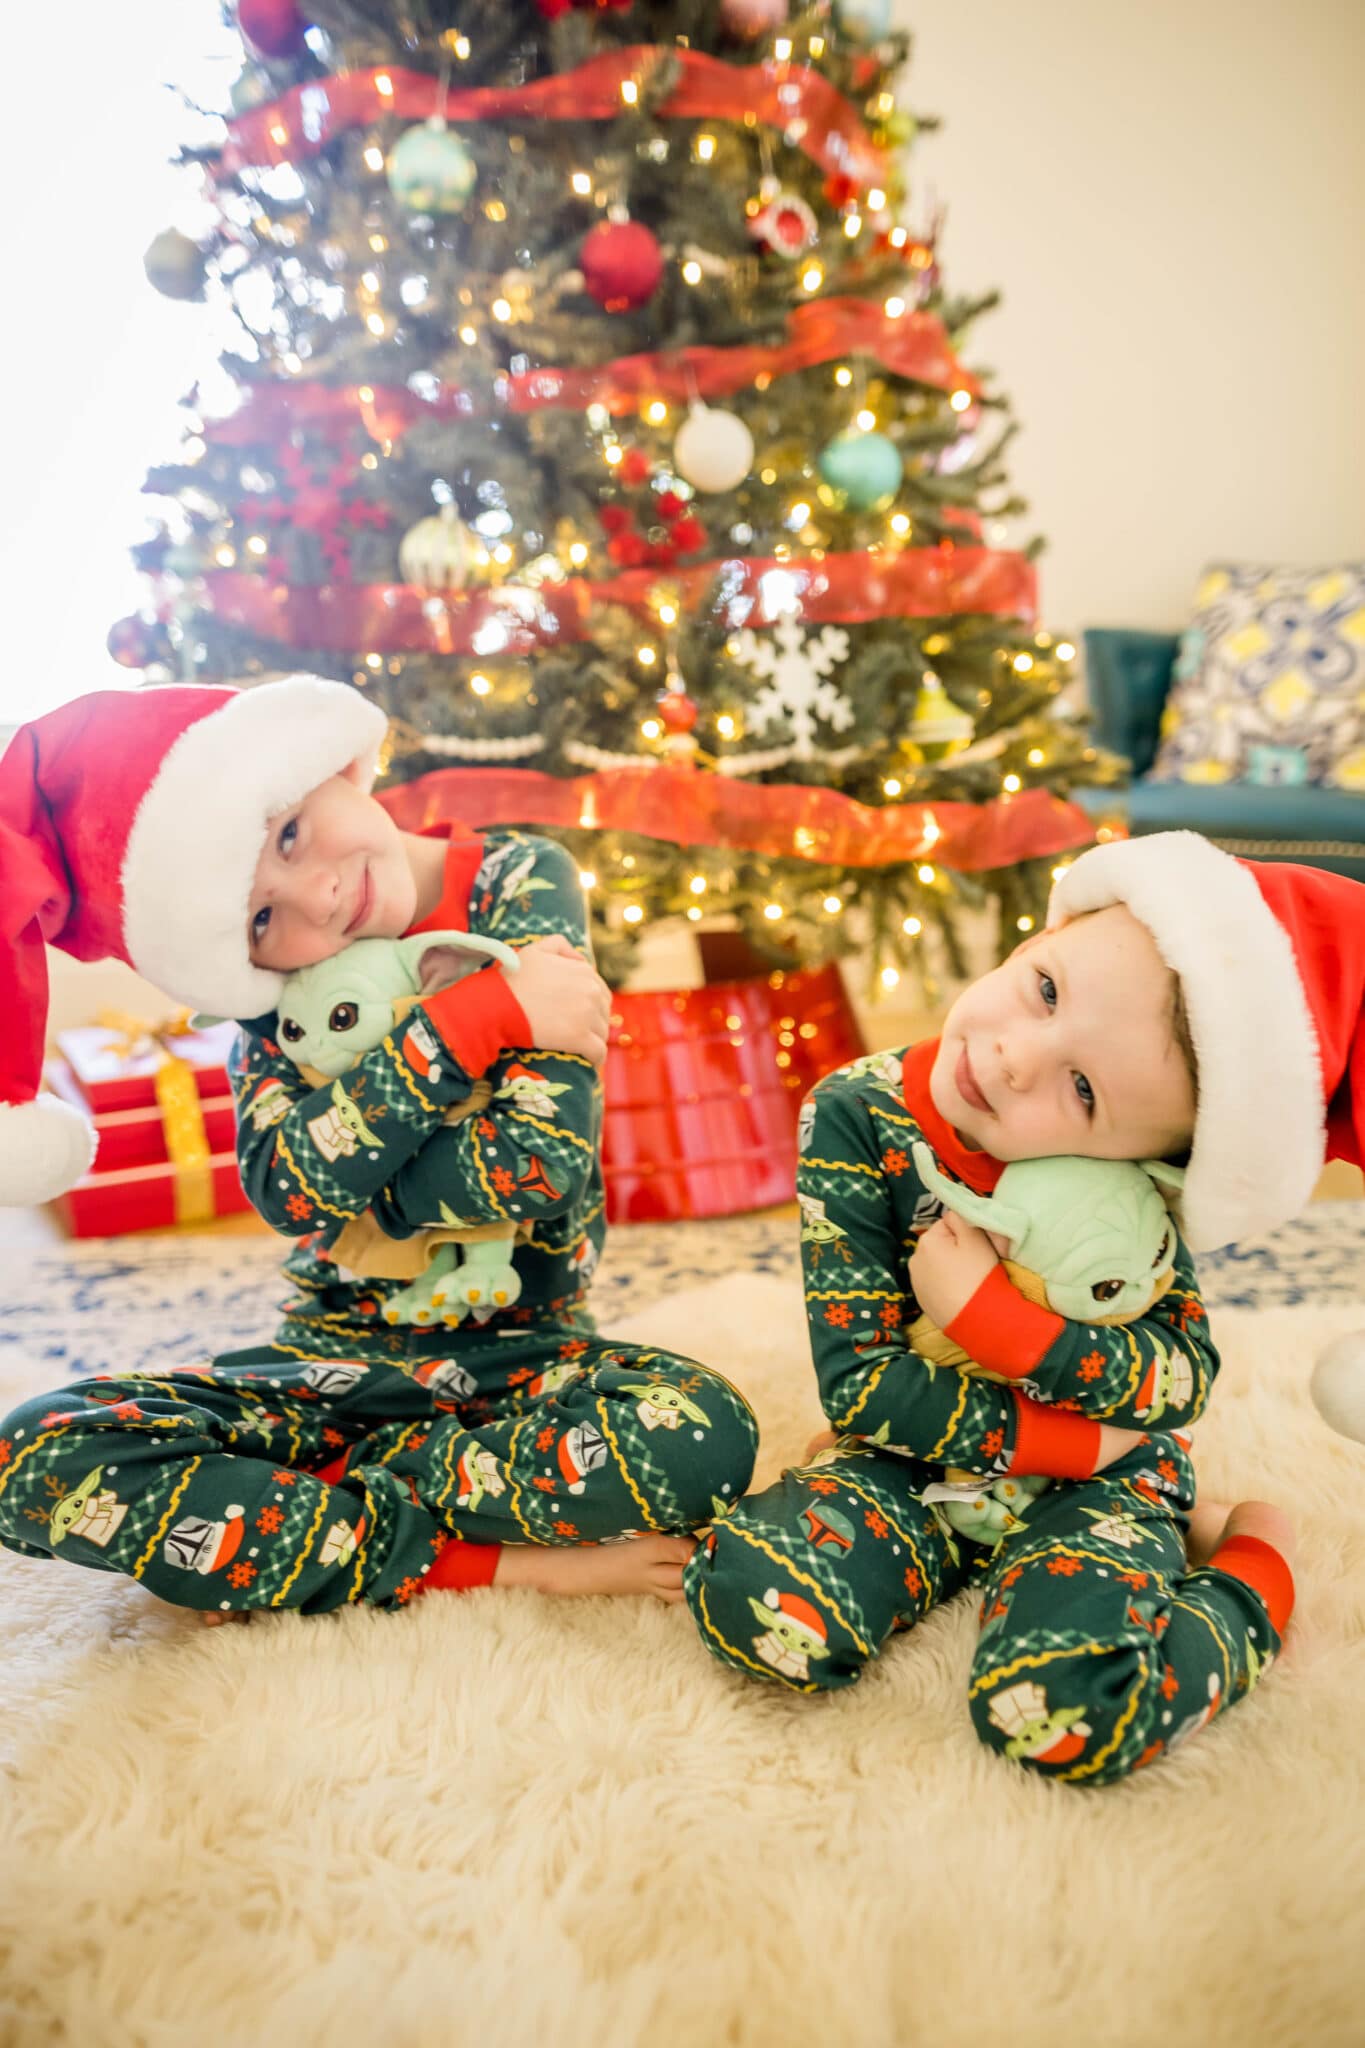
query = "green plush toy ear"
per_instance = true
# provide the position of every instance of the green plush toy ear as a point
(1163, 1173)
(201, 1022)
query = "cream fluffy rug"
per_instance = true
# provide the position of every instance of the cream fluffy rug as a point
(505, 1820)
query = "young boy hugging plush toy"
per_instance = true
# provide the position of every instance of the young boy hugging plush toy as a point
(1180, 1005)
(219, 841)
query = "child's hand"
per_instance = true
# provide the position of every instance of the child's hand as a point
(947, 1266)
(567, 1003)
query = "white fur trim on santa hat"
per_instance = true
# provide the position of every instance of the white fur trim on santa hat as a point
(192, 851)
(45, 1148)
(1260, 1134)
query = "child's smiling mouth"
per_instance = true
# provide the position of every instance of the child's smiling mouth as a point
(362, 909)
(966, 1084)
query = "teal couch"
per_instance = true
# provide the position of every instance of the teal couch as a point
(1128, 675)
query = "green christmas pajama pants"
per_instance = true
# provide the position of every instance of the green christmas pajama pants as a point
(1099, 1649)
(201, 1483)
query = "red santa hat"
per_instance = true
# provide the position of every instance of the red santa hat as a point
(131, 823)
(798, 1611)
(1271, 959)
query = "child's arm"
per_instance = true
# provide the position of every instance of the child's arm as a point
(1155, 1371)
(312, 1157)
(871, 1383)
(533, 1150)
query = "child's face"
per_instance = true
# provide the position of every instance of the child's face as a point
(1068, 1047)
(333, 869)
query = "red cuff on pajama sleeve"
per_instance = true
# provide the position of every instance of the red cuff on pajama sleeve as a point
(478, 1018)
(1260, 1566)
(459, 1567)
(1053, 1441)
(1002, 1330)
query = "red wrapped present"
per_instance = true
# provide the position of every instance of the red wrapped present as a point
(153, 1197)
(704, 1088)
(116, 1061)
(138, 1137)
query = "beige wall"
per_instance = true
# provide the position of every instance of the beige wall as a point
(1169, 196)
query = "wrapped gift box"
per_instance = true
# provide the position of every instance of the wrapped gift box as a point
(115, 1069)
(148, 1198)
(137, 1137)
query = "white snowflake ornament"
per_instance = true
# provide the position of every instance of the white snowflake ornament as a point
(795, 668)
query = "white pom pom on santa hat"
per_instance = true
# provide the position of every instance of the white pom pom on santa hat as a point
(45, 1148)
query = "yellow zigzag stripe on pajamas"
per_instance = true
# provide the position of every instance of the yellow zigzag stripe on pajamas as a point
(763, 1670)
(287, 1158)
(1036, 1663)
(177, 1496)
(1185, 1608)
(514, 1496)
(409, 1079)
(1062, 1544)
(323, 1508)
(803, 1578)
(873, 1503)
(8, 1471)
(495, 1200)
(617, 1453)
(841, 1166)
(539, 1123)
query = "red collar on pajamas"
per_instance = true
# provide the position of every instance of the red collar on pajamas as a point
(978, 1169)
(463, 861)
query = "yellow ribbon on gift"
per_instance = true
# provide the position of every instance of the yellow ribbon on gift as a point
(177, 1097)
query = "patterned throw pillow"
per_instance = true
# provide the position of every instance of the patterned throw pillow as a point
(1269, 683)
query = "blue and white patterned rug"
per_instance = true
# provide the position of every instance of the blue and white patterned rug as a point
(102, 1305)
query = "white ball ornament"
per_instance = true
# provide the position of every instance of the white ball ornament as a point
(714, 449)
(436, 552)
(430, 170)
(1338, 1386)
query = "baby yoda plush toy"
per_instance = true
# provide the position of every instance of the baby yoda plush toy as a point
(1091, 1239)
(331, 1014)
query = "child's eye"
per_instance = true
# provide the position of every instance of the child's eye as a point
(1086, 1093)
(1047, 989)
(289, 832)
(260, 924)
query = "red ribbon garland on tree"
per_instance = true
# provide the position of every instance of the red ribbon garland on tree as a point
(791, 97)
(685, 807)
(911, 344)
(513, 618)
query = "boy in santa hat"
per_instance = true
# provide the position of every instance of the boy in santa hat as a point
(1180, 1005)
(217, 840)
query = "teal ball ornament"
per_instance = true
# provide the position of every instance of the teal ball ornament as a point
(868, 20)
(430, 170)
(862, 470)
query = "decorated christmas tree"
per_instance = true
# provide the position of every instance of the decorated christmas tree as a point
(601, 408)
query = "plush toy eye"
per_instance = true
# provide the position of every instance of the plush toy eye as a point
(1164, 1252)
(290, 1031)
(344, 1017)
(1105, 1290)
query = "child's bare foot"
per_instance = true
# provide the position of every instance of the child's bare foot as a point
(1207, 1519)
(823, 1440)
(1213, 1523)
(642, 1564)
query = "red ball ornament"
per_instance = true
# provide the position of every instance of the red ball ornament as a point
(614, 518)
(274, 28)
(621, 263)
(635, 466)
(677, 712)
(689, 534)
(628, 550)
(670, 506)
